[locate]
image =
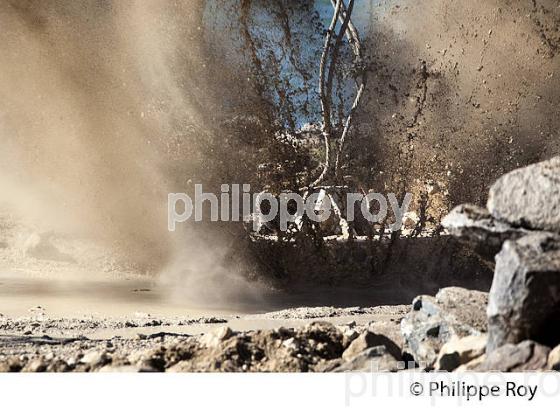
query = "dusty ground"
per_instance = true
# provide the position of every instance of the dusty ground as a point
(59, 314)
(91, 325)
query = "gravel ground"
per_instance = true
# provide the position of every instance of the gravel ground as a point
(300, 339)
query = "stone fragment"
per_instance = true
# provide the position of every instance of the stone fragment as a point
(215, 337)
(458, 352)
(367, 340)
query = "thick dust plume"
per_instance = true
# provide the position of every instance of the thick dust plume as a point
(98, 100)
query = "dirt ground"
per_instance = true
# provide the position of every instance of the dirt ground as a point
(89, 325)
(69, 305)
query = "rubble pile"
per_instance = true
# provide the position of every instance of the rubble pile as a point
(521, 227)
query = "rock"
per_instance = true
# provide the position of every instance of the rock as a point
(37, 365)
(478, 227)
(151, 365)
(458, 352)
(291, 344)
(554, 359)
(326, 366)
(311, 348)
(327, 336)
(433, 321)
(159, 357)
(374, 359)
(525, 356)
(524, 301)
(11, 365)
(215, 337)
(529, 197)
(472, 365)
(58, 366)
(466, 306)
(391, 329)
(95, 359)
(367, 340)
(349, 335)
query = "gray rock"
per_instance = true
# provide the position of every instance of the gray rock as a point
(525, 356)
(367, 340)
(477, 226)
(433, 321)
(529, 197)
(466, 306)
(374, 359)
(524, 301)
(458, 352)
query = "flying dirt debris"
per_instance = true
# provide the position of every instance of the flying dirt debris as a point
(108, 108)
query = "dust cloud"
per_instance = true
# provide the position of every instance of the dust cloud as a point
(93, 95)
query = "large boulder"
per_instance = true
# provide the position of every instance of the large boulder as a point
(529, 197)
(433, 321)
(524, 301)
